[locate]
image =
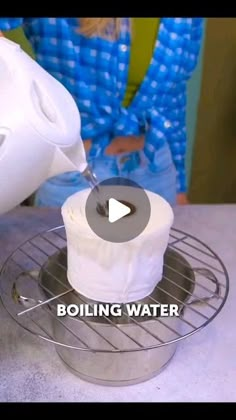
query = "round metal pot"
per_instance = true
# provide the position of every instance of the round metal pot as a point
(119, 351)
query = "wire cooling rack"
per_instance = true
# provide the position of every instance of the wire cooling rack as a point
(33, 281)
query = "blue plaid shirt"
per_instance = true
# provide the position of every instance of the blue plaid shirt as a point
(95, 71)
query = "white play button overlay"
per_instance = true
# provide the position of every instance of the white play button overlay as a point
(117, 210)
(128, 210)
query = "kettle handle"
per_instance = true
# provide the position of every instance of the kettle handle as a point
(42, 103)
(3, 134)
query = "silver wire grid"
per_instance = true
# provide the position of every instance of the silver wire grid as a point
(194, 277)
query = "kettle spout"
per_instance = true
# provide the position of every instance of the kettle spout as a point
(68, 160)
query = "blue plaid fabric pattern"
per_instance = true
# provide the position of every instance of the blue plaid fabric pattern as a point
(95, 71)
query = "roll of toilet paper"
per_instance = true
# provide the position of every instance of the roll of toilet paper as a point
(115, 272)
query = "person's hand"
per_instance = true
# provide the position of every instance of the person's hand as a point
(182, 199)
(87, 145)
(125, 144)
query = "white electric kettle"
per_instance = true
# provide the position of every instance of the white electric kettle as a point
(40, 127)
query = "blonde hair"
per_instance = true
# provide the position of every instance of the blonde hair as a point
(103, 27)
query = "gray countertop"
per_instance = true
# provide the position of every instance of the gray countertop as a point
(203, 368)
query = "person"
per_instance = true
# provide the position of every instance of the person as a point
(129, 79)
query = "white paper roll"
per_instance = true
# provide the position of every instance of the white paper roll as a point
(115, 272)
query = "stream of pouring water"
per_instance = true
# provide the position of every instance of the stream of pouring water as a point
(92, 180)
